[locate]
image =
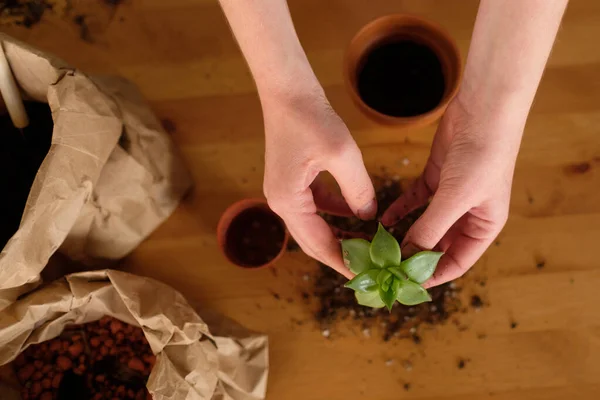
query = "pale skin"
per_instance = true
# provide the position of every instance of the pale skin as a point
(469, 173)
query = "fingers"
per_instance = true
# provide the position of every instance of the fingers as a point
(443, 211)
(415, 197)
(351, 175)
(315, 238)
(459, 257)
(329, 202)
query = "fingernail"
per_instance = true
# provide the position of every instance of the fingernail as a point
(368, 211)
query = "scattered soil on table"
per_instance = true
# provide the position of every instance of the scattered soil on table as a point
(21, 155)
(336, 303)
(255, 237)
(100, 360)
(401, 78)
(23, 12)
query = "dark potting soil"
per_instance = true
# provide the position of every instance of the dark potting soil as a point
(401, 79)
(21, 155)
(255, 237)
(387, 191)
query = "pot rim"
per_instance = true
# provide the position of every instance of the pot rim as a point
(446, 50)
(227, 217)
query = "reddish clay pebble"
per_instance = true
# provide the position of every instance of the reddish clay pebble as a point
(115, 326)
(76, 337)
(37, 375)
(38, 364)
(75, 349)
(82, 359)
(46, 368)
(136, 364)
(120, 337)
(46, 396)
(55, 345)
(56, 380)
(104, 350)
(36, 389)
(25, 373)
(98, 396)
(109, 343)
(95, 342)
(130, 393)
(64, 363)
(65, 345)
(46, 383)
(100, 378)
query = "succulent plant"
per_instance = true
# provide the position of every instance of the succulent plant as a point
(382, 277)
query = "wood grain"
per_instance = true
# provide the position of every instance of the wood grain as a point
(182, 56)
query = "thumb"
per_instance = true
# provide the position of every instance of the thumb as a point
(443, 212)
(349, 171)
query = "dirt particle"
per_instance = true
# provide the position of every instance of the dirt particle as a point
(416, 339)
(168, 125)
(513, 325)
(461, 363)
(407, 386)
(481, 336)
(577, 168)
(84, 29)
(476, 302)
(540, 264)
(276, 296)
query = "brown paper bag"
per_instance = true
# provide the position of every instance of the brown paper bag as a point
(191, 363)
(111, 176)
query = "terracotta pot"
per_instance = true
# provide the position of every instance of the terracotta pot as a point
(415, 29)
(229, 216)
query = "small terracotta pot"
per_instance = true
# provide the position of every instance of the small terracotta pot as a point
(229, 216)
(415, 29)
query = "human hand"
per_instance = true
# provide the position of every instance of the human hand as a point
(469, 174)
(304, 137)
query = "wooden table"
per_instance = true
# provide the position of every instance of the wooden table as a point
(182, 56)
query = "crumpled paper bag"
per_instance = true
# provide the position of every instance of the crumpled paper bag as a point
(191, 363)
(112, 174)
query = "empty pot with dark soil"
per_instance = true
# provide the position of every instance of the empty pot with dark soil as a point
(402, 70)
(251, 235)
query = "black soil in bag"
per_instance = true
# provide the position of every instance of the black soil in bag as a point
(21, 154)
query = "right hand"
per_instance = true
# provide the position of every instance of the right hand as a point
(304, 137)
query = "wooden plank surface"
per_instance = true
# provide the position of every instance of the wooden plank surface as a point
(182, 56)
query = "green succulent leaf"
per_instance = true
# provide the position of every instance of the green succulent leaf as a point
(410, 293)
(369, 299)
(356, 255)
(421, 266)
(365, 281)
(385, 250)
(397, 272)
(383, 276)
(390, 294)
